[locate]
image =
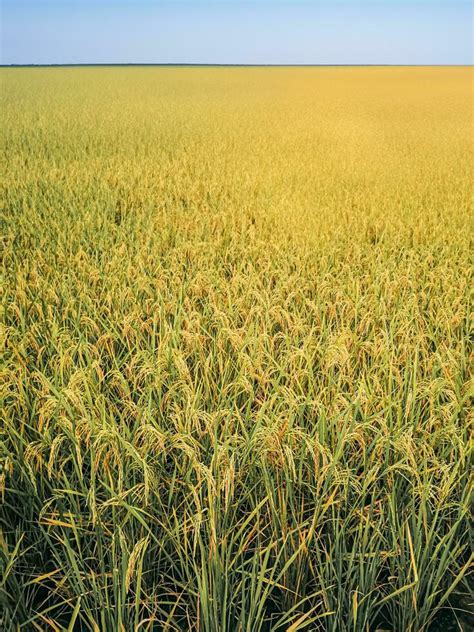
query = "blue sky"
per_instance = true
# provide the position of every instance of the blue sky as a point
(231, 31)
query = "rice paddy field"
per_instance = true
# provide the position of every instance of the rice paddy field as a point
(236, 358)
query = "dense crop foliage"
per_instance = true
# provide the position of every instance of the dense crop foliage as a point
(236, 348)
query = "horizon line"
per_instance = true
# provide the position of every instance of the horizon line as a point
(238, 65)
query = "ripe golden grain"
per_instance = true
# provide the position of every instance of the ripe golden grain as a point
(236, 342)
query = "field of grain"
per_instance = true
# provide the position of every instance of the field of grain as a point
(236, 319)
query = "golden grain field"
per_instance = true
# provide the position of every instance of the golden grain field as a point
(236, 354)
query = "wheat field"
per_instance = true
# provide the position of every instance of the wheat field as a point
(236, 353)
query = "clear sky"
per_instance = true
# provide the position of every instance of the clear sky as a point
(231, 31)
